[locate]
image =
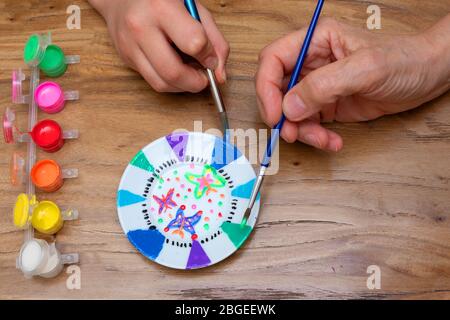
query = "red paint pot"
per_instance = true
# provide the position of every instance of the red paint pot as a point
(47, 175)
(48, 135)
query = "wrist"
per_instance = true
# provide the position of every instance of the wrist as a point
(99, 5)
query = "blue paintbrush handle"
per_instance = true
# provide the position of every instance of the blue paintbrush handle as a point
(272, 143)
(192, 8)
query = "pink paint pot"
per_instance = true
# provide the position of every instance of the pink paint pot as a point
(48, 135)
(49, 97)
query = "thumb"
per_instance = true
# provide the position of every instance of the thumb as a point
(322, 87)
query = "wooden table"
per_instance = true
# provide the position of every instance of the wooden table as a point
(384, 200)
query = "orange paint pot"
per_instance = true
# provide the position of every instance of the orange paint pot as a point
(47, 175)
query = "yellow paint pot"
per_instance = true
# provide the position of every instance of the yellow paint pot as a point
(47, 217)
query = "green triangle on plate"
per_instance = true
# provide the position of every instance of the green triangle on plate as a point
(236, 232)
(141, 161)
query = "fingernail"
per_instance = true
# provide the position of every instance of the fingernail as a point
(211, 63)
(313, 140)
(293, 107)
(224, 75)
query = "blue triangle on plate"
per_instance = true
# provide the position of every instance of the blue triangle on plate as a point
(244, 190)
(148, 242)
(125, 198)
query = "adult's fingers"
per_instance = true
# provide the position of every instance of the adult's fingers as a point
(313, 134)
(188, 34)
(324, 86)
(276, 61)
(168, 64)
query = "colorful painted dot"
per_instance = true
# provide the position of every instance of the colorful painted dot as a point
(182, 186)
(211, 211)
(194, 207)
(185, 197)
(152, 209)
(177, 179)
(222, 195)
(206, 226)
(159, 187)
(220, 214)
(189, 189)
(206, 219)
(175, 172)
(178, 195)
(161, 180)
(168, 179)
(209, 200)
(191, 166)
(160, 220)
(220, 203)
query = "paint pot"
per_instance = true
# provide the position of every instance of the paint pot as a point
(46, 217)
(53, 63)
(50, 97)
(40, 52)
(48, 175)
(48, 135)
(38, 258)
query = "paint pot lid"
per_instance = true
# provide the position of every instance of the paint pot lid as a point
(45, 172)
(21, 211)
(17, 169)
(181, 206)
(47, 133)
(48, 95)
(9, 118)
(35, 47)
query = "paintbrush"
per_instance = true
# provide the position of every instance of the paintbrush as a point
(275, 134)
(217, 96)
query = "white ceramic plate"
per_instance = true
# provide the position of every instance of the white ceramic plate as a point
(182, 198)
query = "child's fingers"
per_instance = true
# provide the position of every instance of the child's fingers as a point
(143, 66)
(188, 34)
(218, 41)
(168, 64)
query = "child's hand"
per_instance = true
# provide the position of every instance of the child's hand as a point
(143, 32)
(350, 75)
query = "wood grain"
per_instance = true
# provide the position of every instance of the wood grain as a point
(384, 200)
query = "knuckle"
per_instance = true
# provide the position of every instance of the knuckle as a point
(133, 22)
(197, 43)
(318, 85)
(172, 75)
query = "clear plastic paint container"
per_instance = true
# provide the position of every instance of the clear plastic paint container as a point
(46, 134)
(50, 58)
(38, 258)
(50, 97)
(45, 216)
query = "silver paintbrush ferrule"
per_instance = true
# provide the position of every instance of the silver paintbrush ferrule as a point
(255, 191)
